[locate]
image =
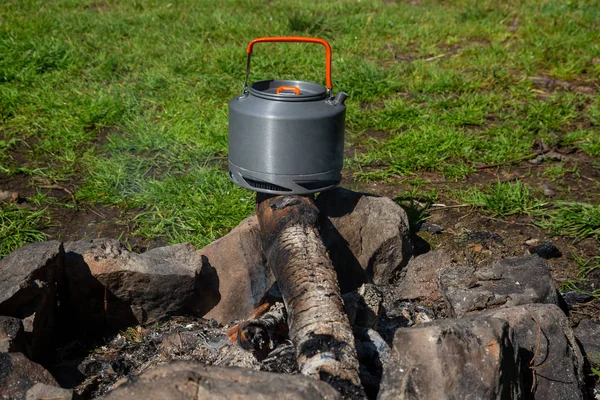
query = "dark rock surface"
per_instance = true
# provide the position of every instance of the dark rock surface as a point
(551, 362)
(588, 335)
(367, 236)
(234, 277)
(18, 374)
(505, 283)
(546, 250)
(110, 287)
(419, 279)
(186, 380)
(573, 298)
(11, 335)
(453, 359)
(28, 285)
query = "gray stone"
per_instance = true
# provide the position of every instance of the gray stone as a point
(28, 285)
(187, 380)
(588, 334)
(551, 362)
(110, 287)
(419, 280)
(11, 335)
(40, 391)
(363, 306)
(236, 276)
(368, 237)
(18, 374)
(505, 283)
(473, 358)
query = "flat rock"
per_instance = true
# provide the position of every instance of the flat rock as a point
(368, 237)
(41, 391)
(187, 380)
(505, 283)
(235, 276)
(419, 279)
(11, 335)
(28, 285)
(551, 362)
(18, 374)
(588, 334)
(110, 287)
(473, 358)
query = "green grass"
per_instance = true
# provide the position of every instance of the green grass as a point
(578, 220)
(504, 198)
(20, 226)
(585, 267)
(128, 100)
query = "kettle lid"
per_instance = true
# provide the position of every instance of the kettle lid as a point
(288, 90)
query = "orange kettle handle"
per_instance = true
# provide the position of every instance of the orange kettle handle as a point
(296, 39)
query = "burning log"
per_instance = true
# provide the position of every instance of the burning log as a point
(318, 326)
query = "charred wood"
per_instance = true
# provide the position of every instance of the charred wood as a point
(319, 327)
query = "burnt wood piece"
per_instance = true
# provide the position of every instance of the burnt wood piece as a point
(319, 328)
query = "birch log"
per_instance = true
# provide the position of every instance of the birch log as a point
(319, 328)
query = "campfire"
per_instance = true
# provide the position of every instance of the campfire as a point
(91, 318)
(322, 296)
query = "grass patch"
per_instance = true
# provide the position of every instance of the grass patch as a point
(585, 267)
(503, 198)
(559, 170)
(126, 100)
(416, 204)
(19, 227)
(577, 220)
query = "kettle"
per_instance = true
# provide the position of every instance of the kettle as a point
(287, 136)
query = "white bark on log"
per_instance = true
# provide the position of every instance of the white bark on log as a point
(319, 327)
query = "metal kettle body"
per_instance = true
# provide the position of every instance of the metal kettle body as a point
(286, 136)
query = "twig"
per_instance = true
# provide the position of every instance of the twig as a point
(59, 187)
(510, 223)
(436, 57)
(443, 206)
(97, 213)
(535, 354)
(513, 161)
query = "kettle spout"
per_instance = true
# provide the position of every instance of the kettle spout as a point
(340, 98)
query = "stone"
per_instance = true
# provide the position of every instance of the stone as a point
(28, 284)
(419, 280)
(552, 366)
(573, 298)
(505, 283)
(368, 237)
(41, 391)
(471, 358)
(363, 306)
(588, 335)
(373, 354)
(236, 276)
(11, 335)
(109, 287)
(431, 228)
(18, 374)
(8, 196)
(188, 380)
(546, 250)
